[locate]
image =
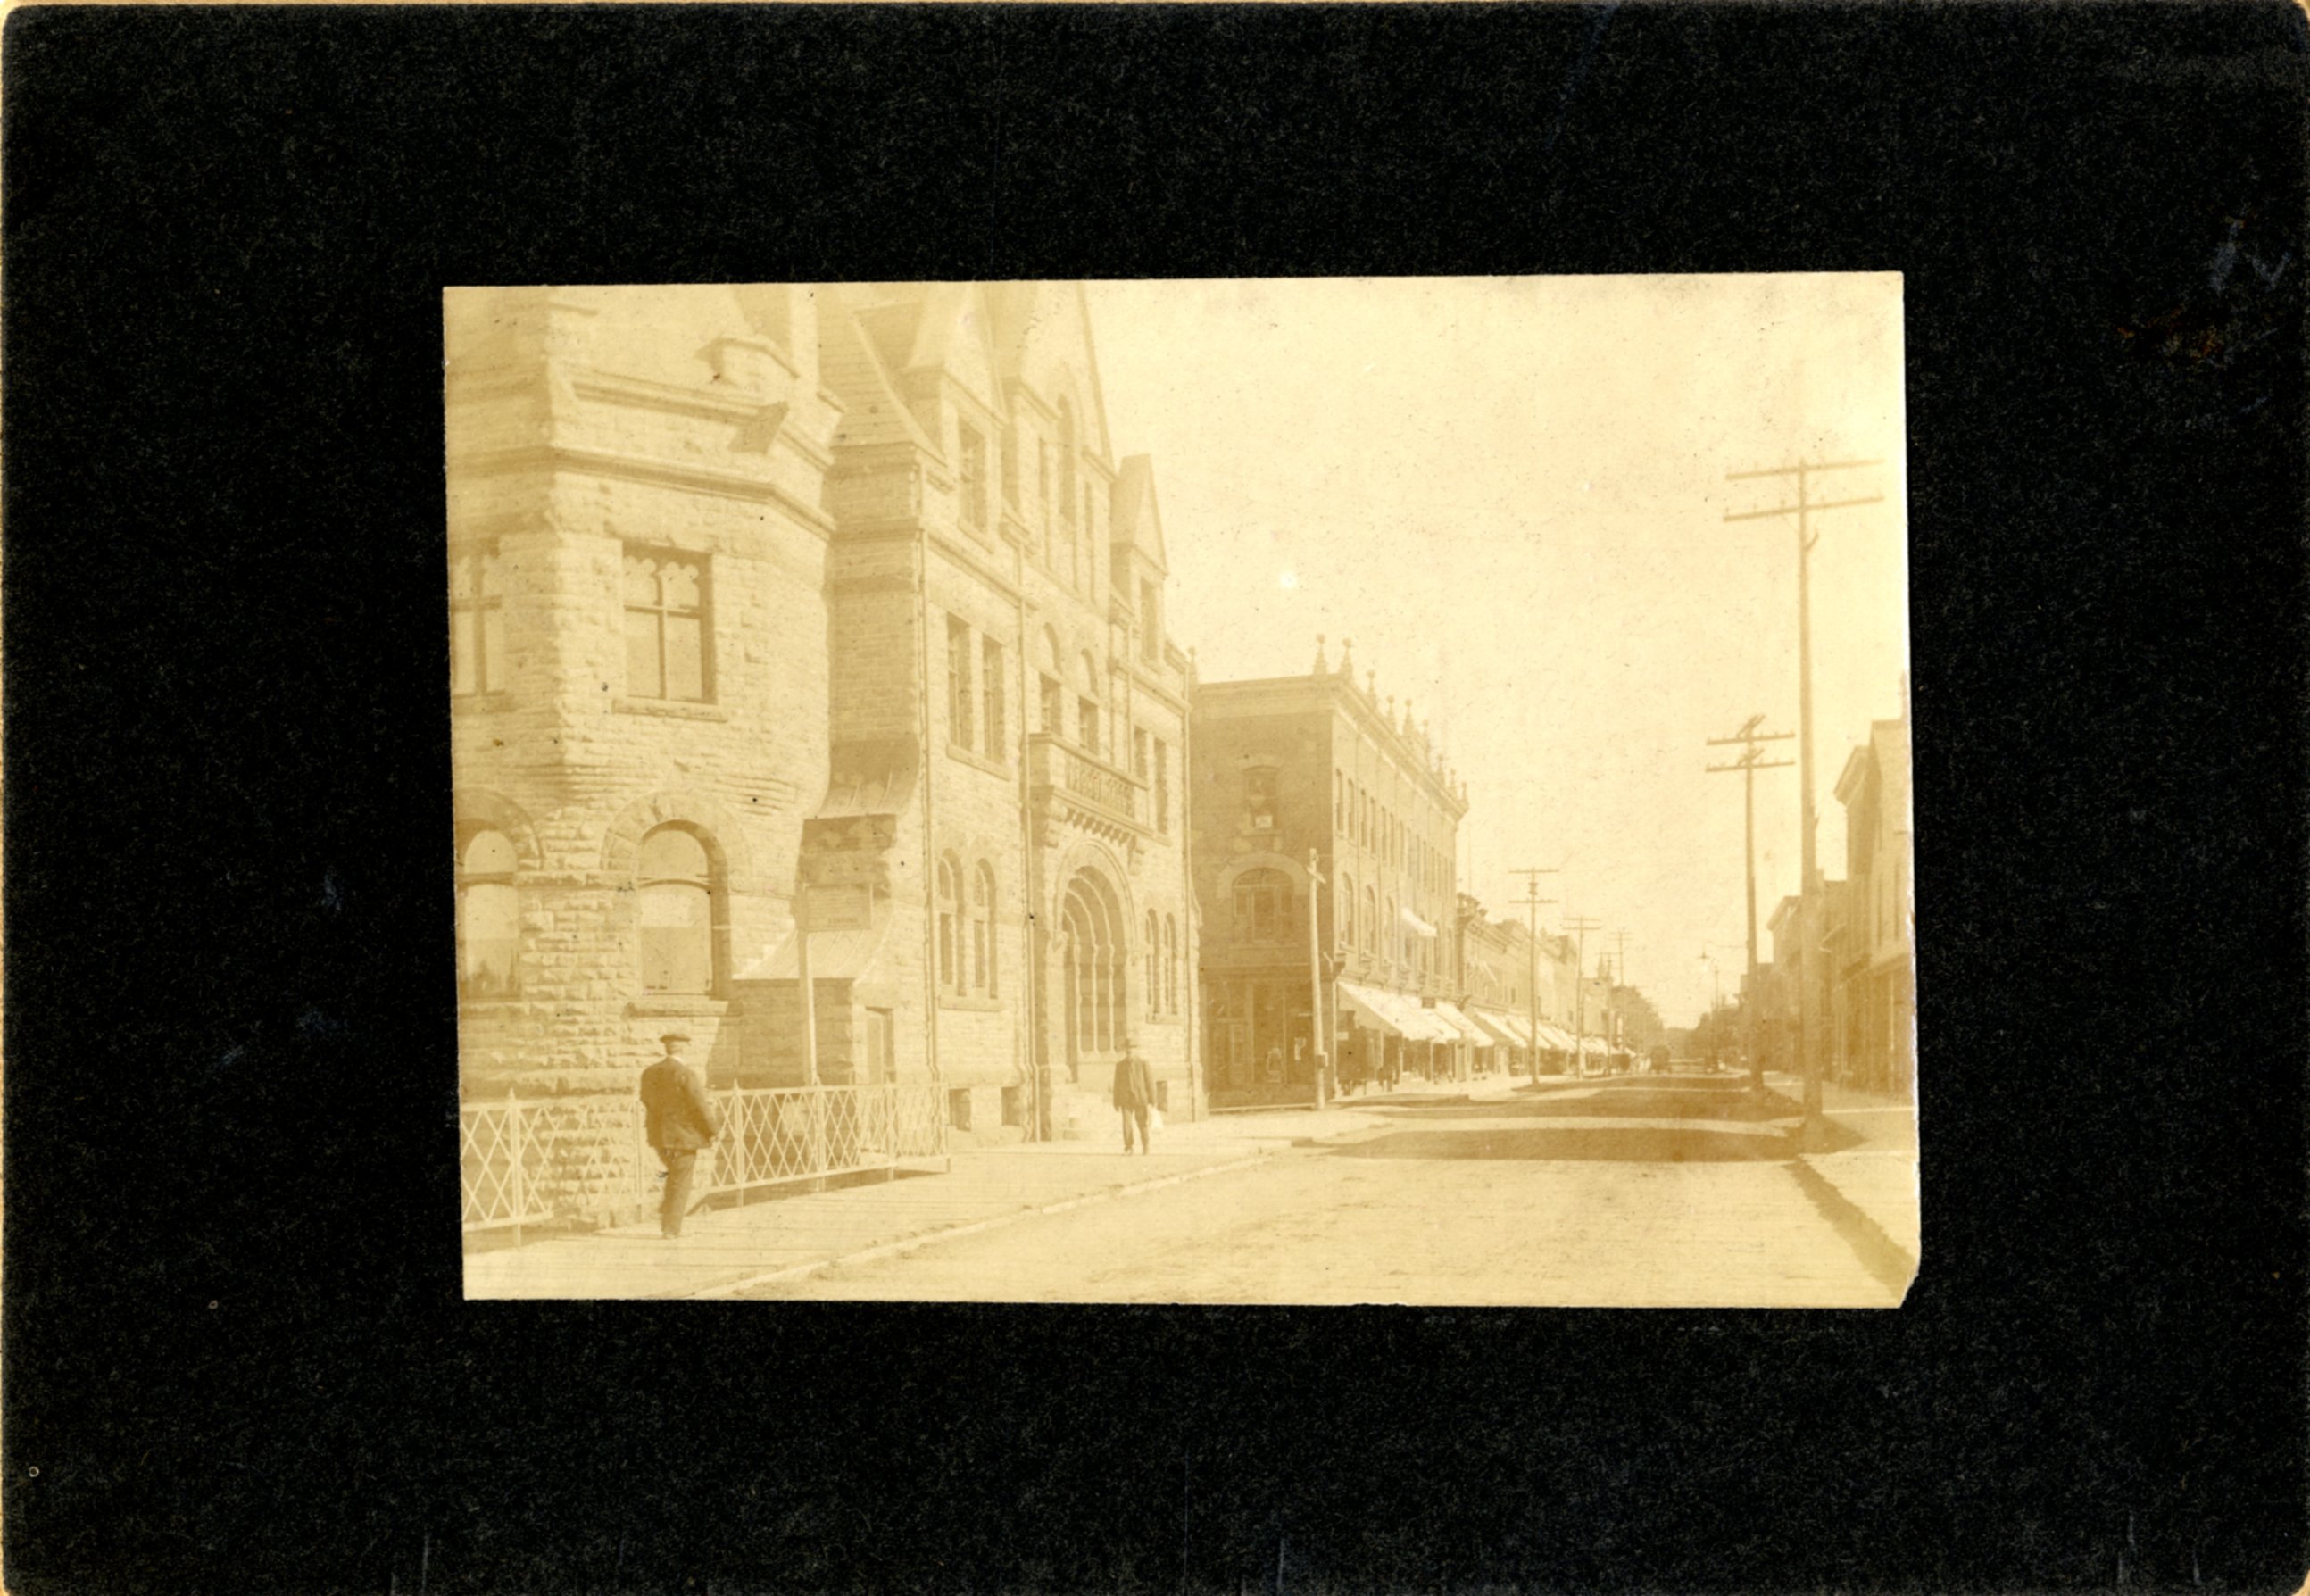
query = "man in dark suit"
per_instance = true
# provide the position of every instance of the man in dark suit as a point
(680, 1122)
(1135, 1094)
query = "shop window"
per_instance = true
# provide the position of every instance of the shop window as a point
(477, 662)
(665, 626)
(489, 915)
(674, 878)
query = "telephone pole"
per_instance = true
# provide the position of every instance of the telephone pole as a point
(1580, 925)
(1804, 509)
(1532, 900)
(1321, 1063)
(1747, 763)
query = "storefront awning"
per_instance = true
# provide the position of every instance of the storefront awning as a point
(1394, 1014)
(1468, 1028)
(1512, 1029)
(1495, 1026)
(1554, 1038)
(1414, 923)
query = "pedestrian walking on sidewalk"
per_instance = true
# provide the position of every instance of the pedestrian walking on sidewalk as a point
(680, 1122)
(1134, 1095)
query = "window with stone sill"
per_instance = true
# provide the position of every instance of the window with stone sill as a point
(489, 915)
(972, 468)
(477, 655)
(1171, 965)
(666, 653)
(1154, 961)
(1150, 631)
(674, 882)
(959, 709)
(1261, 902)
(982, 930)
(1259, 786)
(949, 929)
(994, 722)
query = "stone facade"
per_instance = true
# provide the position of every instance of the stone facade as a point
(831, 605)
(1318, 764)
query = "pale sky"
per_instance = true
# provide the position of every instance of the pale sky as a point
(1510, 492)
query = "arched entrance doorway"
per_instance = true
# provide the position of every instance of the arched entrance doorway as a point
(1095, 954)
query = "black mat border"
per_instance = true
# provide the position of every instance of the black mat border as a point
(229, 1023)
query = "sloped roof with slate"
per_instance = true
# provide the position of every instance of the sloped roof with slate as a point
(851, 364)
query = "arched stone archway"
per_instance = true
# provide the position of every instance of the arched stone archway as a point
(1095, 950)
(478, 807)
(716, 828)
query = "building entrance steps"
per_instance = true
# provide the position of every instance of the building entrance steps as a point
(722, 1250)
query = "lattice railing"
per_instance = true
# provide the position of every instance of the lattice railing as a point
(532, 1161)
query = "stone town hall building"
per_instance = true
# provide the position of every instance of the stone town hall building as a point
(838, 596)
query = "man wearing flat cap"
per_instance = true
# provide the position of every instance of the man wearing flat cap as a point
(681, 1122)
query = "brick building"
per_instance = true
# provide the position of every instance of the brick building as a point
(1500, 968)
(1290, 767)
(831, 603)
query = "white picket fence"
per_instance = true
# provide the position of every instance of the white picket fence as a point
(540, 1160)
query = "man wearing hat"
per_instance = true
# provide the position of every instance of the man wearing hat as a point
(680, 1121)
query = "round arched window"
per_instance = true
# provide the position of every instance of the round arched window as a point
(489, 915)
(674, 876)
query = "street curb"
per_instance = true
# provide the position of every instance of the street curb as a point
(891, 1249)
(1888, 1260)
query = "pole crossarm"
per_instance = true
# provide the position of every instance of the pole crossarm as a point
(1808, 1037)
(1802, 510)
(1800, 469)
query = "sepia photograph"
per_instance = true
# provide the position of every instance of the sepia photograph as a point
(1296, 791)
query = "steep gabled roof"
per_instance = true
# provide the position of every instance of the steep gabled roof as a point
(954, 333)
(852, 364)
(1042, 337)
(1136, 522)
